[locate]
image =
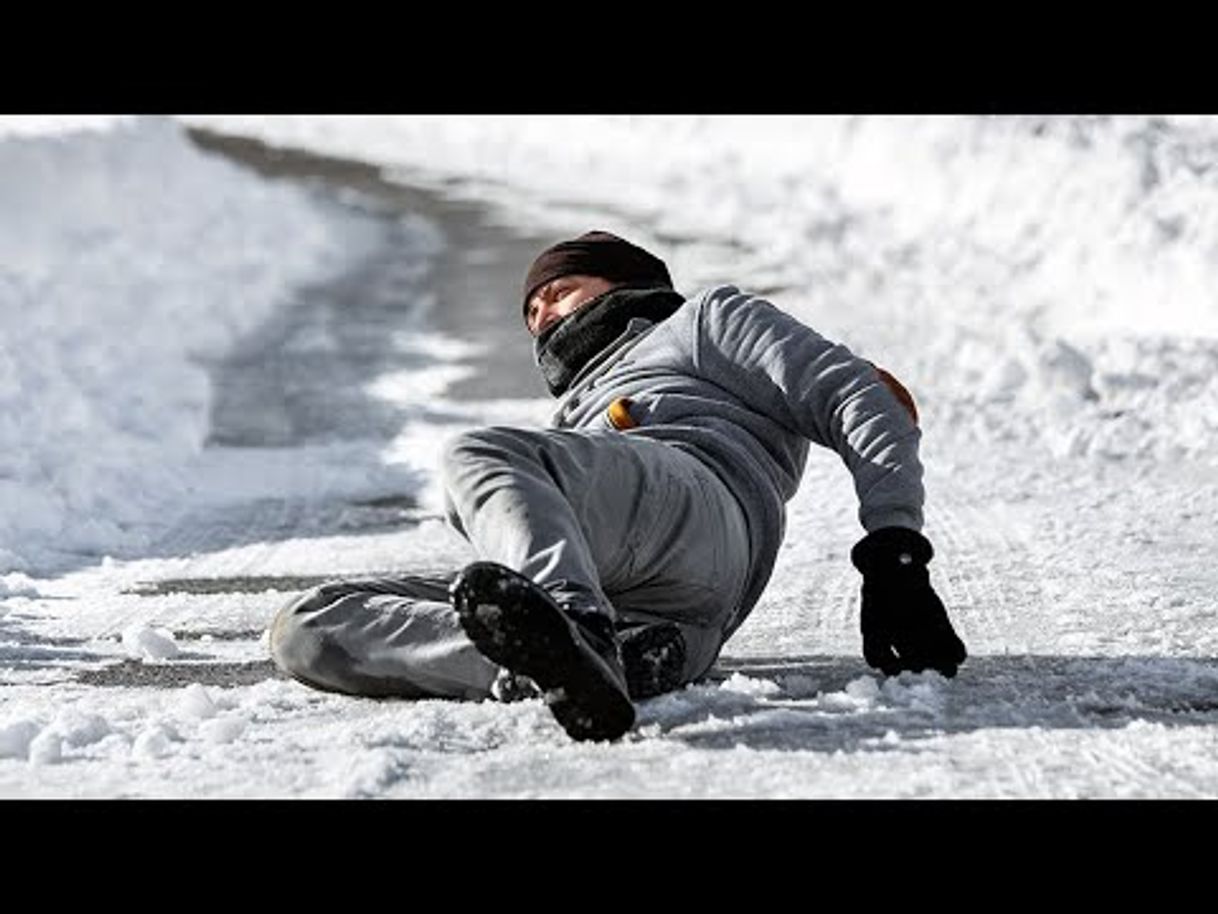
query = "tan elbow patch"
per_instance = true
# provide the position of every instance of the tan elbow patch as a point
(619, 414)
(898, 390)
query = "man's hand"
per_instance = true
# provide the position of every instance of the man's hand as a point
(904, 623)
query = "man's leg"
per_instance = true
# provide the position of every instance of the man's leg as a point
(649, 533)
(381, 637)
(399, 636)
(690, 570)
(619, 524)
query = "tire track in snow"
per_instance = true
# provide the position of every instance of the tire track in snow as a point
(842, 621)
(1142, 777)
(991, 574)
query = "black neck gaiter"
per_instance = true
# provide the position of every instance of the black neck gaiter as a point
(570, 343)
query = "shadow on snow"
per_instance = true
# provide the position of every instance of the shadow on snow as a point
(828, 703)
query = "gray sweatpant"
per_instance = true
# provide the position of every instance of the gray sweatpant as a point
(635, 526)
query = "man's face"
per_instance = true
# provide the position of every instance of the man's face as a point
(559, 297)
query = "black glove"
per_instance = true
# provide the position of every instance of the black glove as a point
(905, 626)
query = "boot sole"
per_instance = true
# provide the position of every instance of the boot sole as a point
(512, 625)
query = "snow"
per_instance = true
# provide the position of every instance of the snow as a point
(195, 702)
(16, 737)
(1042, 285)
(1054, 244)
(127, 259)
(152, 743)
(152, 643)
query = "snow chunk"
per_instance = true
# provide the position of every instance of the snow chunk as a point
(16, 736)
(79, 729)
(865, 688)
(195, 702)
(152, 743)
(1065, 369)
(748, 686)
(18, 585)
(860, 694)
(46, 748)
(372, 771)
(144, 643)
(917, 691)
(224, 729)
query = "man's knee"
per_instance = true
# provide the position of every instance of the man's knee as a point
(295, 647)
(303, 642)
(483, 445)
(321, 638)
(472, 458)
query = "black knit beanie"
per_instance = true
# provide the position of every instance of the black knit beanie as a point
(596, 254)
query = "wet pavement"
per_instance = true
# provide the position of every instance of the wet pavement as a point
(471, 292)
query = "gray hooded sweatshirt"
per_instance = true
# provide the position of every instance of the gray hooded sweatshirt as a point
(744, 387)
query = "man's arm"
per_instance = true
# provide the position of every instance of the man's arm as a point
(821, 391)
(824, 392)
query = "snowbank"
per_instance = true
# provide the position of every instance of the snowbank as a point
(1046, 280)
(127, 256)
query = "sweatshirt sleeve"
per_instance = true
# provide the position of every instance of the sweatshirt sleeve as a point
(819, 390)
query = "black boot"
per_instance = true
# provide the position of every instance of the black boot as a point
(575, 659)
(653, 658)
